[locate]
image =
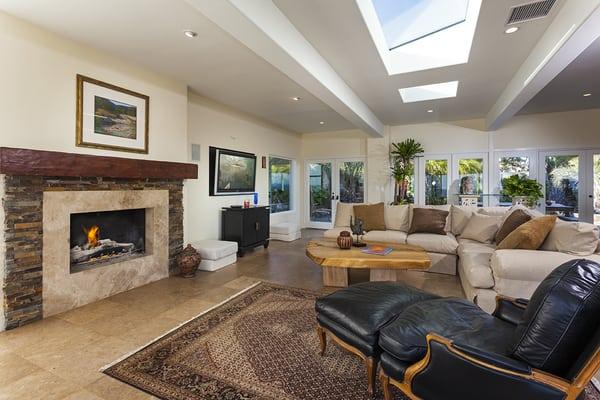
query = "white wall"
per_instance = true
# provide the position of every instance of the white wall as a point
(38, 93)
(336, 144)
(212, 124)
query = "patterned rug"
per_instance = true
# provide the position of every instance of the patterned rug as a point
(259, 345)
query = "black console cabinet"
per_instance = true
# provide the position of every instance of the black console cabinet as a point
(249, 227)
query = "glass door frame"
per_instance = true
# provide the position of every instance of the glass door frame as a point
(454, 187)
(421, 179)
(335, 188)
(582, 185)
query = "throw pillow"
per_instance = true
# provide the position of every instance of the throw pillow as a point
(447, 227)
(396, 218)
(428, 220)
(512, 222)
(372, 216)
(460, 216)
(577, 238)
(481, 228)
(494, 211)
(530, 235)
(343, 213)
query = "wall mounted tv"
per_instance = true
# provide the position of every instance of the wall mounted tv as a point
(231, 172)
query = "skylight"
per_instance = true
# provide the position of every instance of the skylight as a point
(429, 92)
(405, 21)
(415, 35)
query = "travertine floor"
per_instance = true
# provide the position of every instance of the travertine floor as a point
(60, 357)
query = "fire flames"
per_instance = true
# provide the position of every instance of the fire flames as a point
(93, 236)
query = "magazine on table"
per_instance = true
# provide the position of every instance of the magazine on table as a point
(377, 250)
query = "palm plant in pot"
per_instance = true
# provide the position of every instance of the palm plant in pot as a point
(402, 157)
(522, 190)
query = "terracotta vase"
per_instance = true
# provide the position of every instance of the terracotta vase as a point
(344, 240)
(188, 261)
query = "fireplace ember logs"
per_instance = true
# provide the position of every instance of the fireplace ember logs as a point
(105, 248)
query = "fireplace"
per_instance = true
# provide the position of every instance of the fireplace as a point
(106, 237)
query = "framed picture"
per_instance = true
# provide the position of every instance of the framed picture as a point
(110, 117)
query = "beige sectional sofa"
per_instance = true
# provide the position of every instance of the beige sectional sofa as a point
(484, 271)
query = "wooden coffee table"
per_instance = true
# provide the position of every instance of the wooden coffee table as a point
(336, 262)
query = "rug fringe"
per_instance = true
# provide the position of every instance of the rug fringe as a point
(104, 368)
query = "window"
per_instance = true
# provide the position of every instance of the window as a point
(280, 175)
(436, 182)
(320, 188)
(562, 185)
(352, 182)
(509, 166)
(470, 175)
(405, 21)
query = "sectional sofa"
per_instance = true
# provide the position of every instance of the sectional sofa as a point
(484, 271)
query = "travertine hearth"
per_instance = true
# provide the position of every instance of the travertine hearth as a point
(63, 290)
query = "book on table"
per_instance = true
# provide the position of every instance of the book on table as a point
(377, 250)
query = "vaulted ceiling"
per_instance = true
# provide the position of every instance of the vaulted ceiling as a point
(256, 56)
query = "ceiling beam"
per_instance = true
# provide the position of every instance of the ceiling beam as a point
(574, 28)
(264, 29)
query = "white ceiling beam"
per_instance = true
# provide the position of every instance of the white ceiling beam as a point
(574, 28)
(264, 29)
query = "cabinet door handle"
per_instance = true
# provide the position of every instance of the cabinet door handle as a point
(257, 225)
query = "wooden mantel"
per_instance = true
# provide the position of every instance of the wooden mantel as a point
(51, 163)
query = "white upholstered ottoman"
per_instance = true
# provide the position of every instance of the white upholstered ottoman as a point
(216, 254)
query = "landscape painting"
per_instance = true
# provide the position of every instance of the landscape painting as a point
(110, 117)
(114, 118)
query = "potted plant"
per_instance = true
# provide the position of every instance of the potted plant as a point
(522, 190)
(402, 156)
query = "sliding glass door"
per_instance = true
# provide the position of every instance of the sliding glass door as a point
(562, 175)
(434, 179)
(330, 182)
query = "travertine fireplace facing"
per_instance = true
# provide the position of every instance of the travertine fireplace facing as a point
(63, 290)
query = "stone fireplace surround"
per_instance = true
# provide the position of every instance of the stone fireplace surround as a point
(29, 178)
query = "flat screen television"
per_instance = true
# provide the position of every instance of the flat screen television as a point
(231, 172)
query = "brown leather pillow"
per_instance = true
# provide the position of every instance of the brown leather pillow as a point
(428, 220)
(372, 216)
(512, 222)
(530, 235)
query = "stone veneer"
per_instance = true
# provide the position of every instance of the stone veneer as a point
(23, 232)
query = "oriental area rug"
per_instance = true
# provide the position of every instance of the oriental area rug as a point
(261, 344)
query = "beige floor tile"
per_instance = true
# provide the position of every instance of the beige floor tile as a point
(40, 385)
(82, 395)
(90, 312)
(149, 330)
(83, 365)
(241, 283)
(187, 310)
(14, 367)
(111, 389)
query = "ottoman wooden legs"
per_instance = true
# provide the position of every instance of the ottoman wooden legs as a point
(371, 363)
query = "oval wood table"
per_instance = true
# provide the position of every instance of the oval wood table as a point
(336, 262)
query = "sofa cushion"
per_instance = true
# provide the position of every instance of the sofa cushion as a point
(456, 319)
(447, 227)
(578, 238)
(474, 259)
(343, 212)
(365, 307)
(335, 232)
(530, 235)
(460, 216)
(512, 221)
(562, 315)
(494, 211)
(428, 220)
(397, 218)
(372, 216)
(444, 244)
(386, 236)
(482, 228)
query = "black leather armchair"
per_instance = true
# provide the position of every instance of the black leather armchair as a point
(547, 348)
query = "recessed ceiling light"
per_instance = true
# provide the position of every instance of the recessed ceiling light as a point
(322, 122)
(587, 94)
(512, 29)
(296, 98)
(429, 111)
(429, 92)
(190, 34)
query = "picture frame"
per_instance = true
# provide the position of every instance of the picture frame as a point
(111, 117)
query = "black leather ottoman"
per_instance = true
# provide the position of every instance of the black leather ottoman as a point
(354, 315)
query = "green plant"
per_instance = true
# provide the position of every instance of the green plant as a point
(519, 185)
(402, 156)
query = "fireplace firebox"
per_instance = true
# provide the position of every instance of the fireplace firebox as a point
(105, 237)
